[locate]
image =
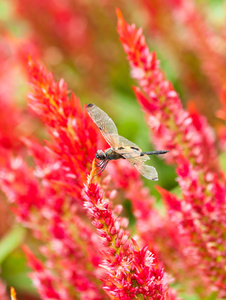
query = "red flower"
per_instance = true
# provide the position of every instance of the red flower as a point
(43, 279)
(56, 22)
(195, 48)
(47, 198)
(131, 272)
(11, 128)
(73, 133)
(187, 135)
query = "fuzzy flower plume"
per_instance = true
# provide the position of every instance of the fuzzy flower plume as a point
(43, 279)
(165, 116)
(56, 220)
(47, 197)
(74, 135)
(202, 213)
(159, 233)
(204, 42)
(56, 23)
(126, 178)
(131, 272)
(11, 128)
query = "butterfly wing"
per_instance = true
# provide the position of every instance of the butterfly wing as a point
(124, 142)
(132, 153)
(127, 148)
(147, 171)
(122, 146)
(105, 124)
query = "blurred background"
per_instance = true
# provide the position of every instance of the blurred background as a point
(77, 40)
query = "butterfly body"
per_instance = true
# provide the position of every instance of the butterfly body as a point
(109, 154)
(112, 154)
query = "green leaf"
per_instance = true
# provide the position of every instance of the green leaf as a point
(15, 272)
(213, 296)
(11, 241)
(222, 159)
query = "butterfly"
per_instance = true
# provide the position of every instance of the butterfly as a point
(120, 146)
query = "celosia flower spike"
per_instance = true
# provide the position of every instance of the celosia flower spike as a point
(188, 136)
(74, 135)
(131, 272)
(165, 115)
(44, 280)
(48, 198)
(205, 43)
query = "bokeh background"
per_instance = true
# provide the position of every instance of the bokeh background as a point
(78, 41)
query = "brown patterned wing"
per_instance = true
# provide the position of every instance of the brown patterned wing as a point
(122, 146)
(132, 153)
(147, 171)
(105, 124)
(128, 149)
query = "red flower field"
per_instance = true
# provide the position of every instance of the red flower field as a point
(67, 233)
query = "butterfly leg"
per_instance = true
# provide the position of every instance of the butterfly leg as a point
(101, 166)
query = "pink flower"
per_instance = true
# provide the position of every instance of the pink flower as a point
(73, 133)
(43, 280)
(11, 129)
(201, 214)
(196, 48)
(131, 272)
(164, 112)
(55, 22)
(3, 293)
(47, 198)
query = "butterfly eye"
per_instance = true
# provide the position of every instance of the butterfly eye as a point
(100, 155)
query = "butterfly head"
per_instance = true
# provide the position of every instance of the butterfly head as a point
(100, 155)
